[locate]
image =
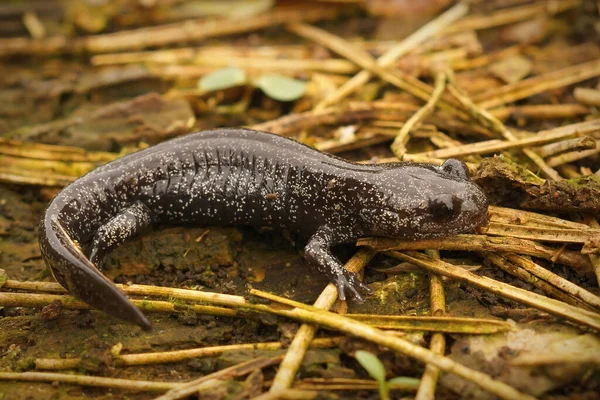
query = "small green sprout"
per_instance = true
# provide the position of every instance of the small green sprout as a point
(275, 86)
(375, 368)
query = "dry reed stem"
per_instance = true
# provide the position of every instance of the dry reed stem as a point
(526, 276)
(557, 281)
(511, 15)
(297, 349)
(177, 355)
(399, 145)
(188, 55)
(240, 369)
(556, 359)
(410, 43)
(446, 324)
(362, 58)
(595, 259)
(451, 325)
(364, 331)
(541, 233)
(307, 393)
(292, 124)
(494, 146)
(587, 96)
(487, 119)
(437, 300)
(162, 35)
(431, 375)
(435, 324)
(42, 151)
(572, 156)
(466, 242)
(538, 84)
(481, 115)
(361, 330)
(577, 144)
(36, 300)
(290, 66)
(54, 180)
(41, 167)
(552, 306)
(348, 384)
(541, 111)
(94, 381)
(466, 326)
(530, 218)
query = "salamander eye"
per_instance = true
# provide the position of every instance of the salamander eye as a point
(444, 207)
(455, 168)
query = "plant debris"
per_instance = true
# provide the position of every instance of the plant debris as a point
(509, 87)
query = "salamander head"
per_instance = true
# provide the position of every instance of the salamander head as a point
(416, 201)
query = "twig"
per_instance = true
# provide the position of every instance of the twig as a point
(556, 280)
(530, 218)
(494, 146)
(541, 111)
(290, 125)
(435, 324)
(540, 233)
(571, 156)
(411, 42)
(552, 306)
(84, 380)
(293, 358)
(307, 393)
(437, 344)
(541, 83)
(556, 359)
(595, 259)
(176, 355)
(511, 15)
(332, 66)
(399, 145)
(240, 369)
(487, 119)
(466, 326)
(343, 47)
(71, 303)
(577, 144)
(465, 242)
(162, 35)
(41, 151)
(450, 325)
(587, 96)
(188, 55)
(349, 384)
(446, 324)
(526, 276)
(358, 329)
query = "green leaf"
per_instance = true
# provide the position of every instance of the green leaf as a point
(280, 87)
(405, 381)
(222, 79)
(372, 364)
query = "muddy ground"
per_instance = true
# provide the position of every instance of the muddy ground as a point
(57, 96)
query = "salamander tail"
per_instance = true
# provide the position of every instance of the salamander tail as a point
(76, 273)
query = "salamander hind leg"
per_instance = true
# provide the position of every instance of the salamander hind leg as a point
(128, 223)
(318, 253)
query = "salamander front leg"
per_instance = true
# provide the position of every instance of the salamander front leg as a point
(128, 223)
(318, 253)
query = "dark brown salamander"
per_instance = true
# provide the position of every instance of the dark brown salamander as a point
(245, 177)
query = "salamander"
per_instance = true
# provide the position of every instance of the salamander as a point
(243, 177)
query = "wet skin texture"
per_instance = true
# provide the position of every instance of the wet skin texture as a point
(245, 177)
